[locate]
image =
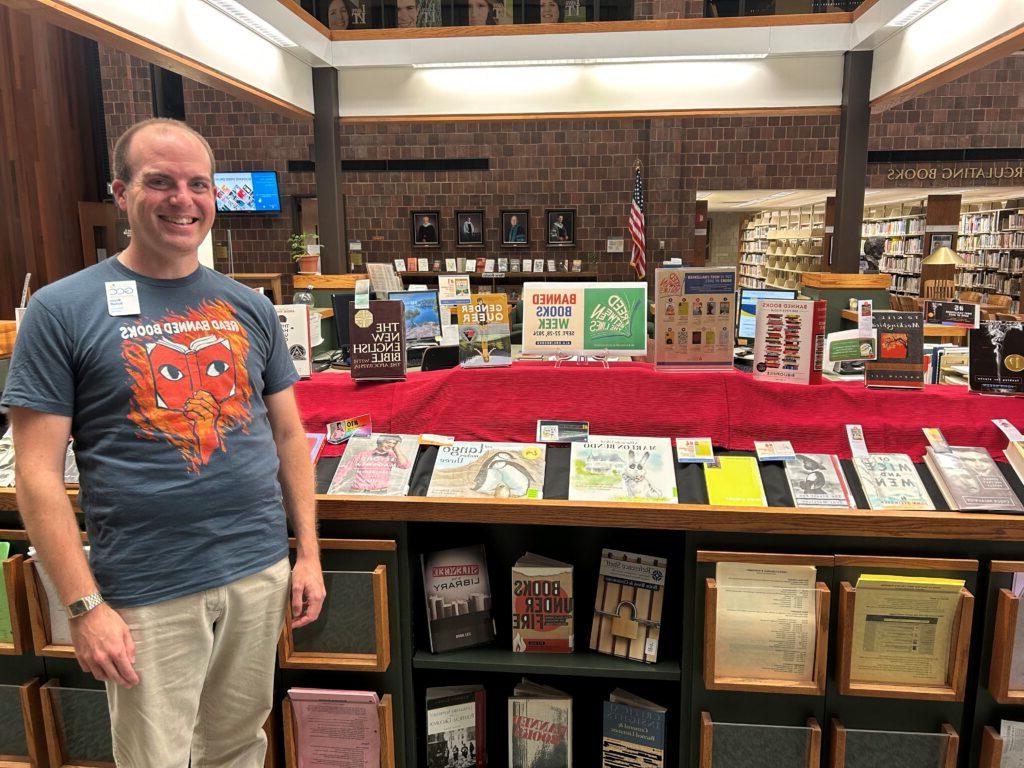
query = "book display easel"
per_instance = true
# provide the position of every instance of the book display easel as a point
(17, 607)
(852, 748)
(1004, 637)
(22, 741)
(723, 745)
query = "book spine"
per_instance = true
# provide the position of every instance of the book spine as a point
(817, 341)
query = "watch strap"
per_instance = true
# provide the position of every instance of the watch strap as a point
(84, 605)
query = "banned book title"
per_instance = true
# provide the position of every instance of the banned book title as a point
(538, 729)
(378, 341)
(384, 347)
(542, 612)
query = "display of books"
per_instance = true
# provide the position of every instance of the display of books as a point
(970, 480)
(890, 481)
(376, 465)
(294, 319)
(997, 358)
(456, 727)
(735, 481)
(494, 470)
(900, 361)
(817, 480)
(457, 589)
(539, 727)
(542, 605)
(377, 337)
(627, 606)
(789, 340)
(331, 725)
(484, 331)
(634, 732)
(623, 469)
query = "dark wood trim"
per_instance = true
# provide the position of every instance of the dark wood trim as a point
(862, 9)
(755, 111)
(312, 20)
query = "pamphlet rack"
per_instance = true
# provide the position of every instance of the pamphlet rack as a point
(25, 745)
(732, 744)
(1007, 612)
(76, 722)
(991, 748)
(39, 615)
(387, 733)
(868, 749)
(17, 608)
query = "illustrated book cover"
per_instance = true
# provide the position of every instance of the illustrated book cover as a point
(488, 470)
(789, 340)
(456, 727)
(633, 735)
(890, 481)
(735, 482)
(377, 337)
(970, 480)
(628, 604)
(484, 331)
(457, 589)
(900, 362)
(623, 469)
(817, 480)
(294, 319)
(542, 605)
(539, 727)
(376, 465)
(996, 358)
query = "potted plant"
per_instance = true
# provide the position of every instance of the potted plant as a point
(305, 252)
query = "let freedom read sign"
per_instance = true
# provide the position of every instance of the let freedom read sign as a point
(577, 318)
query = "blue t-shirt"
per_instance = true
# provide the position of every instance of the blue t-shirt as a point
(177, 460)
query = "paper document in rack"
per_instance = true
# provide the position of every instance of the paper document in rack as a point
(60, 628)
(335, 728)
(1012, 734)
(765, 625)
(902, 629)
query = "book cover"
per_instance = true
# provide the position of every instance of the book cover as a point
(627, 606)
(377, 337)
(735, 482)
(484, 332)
(206, 363)
(542, 605)
(633, 732)
(488, 470)
(900, 362)
(527, 265)
(970, 480)
(694, 318)
(334, 727)
(516, 265)
(890, 481)
(457, 589)
(376, 465)
(315, 441)
(294, 319)
(456, 727)
(539, 727)
(623, 469)
(423, 264)
(817, 480)
(996, 358)
(789, 340)
(412, 263)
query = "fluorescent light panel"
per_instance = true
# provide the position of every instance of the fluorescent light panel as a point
(765, 199)
(569, 62)
(913, 12)
(247, 18)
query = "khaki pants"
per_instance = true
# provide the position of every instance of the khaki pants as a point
(206, 668)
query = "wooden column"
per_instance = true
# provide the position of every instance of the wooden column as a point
(829, 234)
(942, 216)
(327, 153)
(853, 161)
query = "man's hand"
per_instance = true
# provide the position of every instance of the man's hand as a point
(104, 646)
(308, 591)
(203, 410)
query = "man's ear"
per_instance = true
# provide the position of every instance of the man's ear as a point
(119, 188)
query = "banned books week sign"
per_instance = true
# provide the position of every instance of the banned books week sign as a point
(581, 318)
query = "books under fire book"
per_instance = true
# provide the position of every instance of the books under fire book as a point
(542, 605)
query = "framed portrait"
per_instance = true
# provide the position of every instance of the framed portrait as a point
(469, 229)
(561, 227)
(515, 229)
(426, 229)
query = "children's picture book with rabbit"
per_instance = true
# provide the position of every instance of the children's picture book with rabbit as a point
(623, 469)
(489, 470)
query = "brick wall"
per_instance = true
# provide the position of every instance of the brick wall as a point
(725, 239)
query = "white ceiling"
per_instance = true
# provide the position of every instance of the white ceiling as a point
(740, 200)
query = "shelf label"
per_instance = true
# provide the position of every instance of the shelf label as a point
(1011, 432)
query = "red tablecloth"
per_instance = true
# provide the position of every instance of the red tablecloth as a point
(634, 399)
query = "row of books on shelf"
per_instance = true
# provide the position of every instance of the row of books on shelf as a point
(991, 282)
(990, 240)
(899, 246)
(913, 226)
(893, 263)
(1007, 262)
(906, 284)
(463, 264)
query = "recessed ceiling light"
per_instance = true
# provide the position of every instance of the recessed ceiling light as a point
(569, 62)
(247, 18)
(913, 12)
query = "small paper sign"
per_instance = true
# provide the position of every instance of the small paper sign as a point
(340, 431)
(429, 439)
(774, 450)
(550, 431)
(122, 298)
(936, 439)
(864, 320)
(845, 346)
(858, 445)
(694, 450)
(362, 297)
(1011, 432)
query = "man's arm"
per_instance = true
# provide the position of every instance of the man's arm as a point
(297, 485)
(103, 642)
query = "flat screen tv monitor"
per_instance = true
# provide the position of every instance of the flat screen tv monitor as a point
(746, 317)
(422, 316)
(341, 302)
(247, 192)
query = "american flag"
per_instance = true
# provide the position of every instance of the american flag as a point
(638, 259)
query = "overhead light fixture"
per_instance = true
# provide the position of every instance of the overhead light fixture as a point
(765, 199)
(913, 12)
(570, 62)
(248, 19)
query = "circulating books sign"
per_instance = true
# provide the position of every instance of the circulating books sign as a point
(580, 318)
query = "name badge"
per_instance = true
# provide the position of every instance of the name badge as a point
(122, 298)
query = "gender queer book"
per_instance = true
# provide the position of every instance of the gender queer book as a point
(735, 482)
(334, 727)
(789, 340)
(621, 630)
(457, 727)
(294, 319)
(542, 605)
(623, 469)
(539, 727)
(634, 732)
(377, 336)
(457, 589)
(890, 481)
(376, 465)
(817, 480)
(900, 362)
(488, 470)
(996, 361)
(484, 331)
(970, 481)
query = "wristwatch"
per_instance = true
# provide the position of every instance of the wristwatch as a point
(83, 605)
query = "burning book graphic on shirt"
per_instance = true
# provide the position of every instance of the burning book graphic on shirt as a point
(179, 371)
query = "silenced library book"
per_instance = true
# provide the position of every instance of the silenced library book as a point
(457, 589)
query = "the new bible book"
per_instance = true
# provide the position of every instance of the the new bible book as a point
(817, 480)
(627, 606)
(495, 470)
(542, 605)
(970, 481)
(890, 481)
(633, 733)
(484, 335)
(539, 727)
(789, 340)
(458, 594)
(900, 363)
(457, 727)
(377, 335)
(996, 362)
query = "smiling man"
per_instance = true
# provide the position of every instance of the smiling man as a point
(176, 384)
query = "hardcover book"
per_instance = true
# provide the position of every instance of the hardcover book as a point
(539, 727)
(969, 480)
(484, 332)
(542, 605)
(376, 465)
(627, 606)
(900, 362)
(634, 732)
(335, 726)
(412, 263)
(735, 482)
(377, 336)
(458, 594)
(294, 319)
(996, 363)
(817, 480)
(890, 481)
(789, 340)
(457, 727)
(623, 469)
(516, 265)
(488, 470)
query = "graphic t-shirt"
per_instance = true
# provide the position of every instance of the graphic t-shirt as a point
(177, 461)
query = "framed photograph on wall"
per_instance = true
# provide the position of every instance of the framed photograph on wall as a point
(469, 229)
(561, 227)
(426, 229)
(515, 229)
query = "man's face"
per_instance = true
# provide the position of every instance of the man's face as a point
(406, 13)
(561, 218)
(426, 221)
(169, 199)
(513, 221)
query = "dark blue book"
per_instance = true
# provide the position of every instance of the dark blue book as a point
(634, 732)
